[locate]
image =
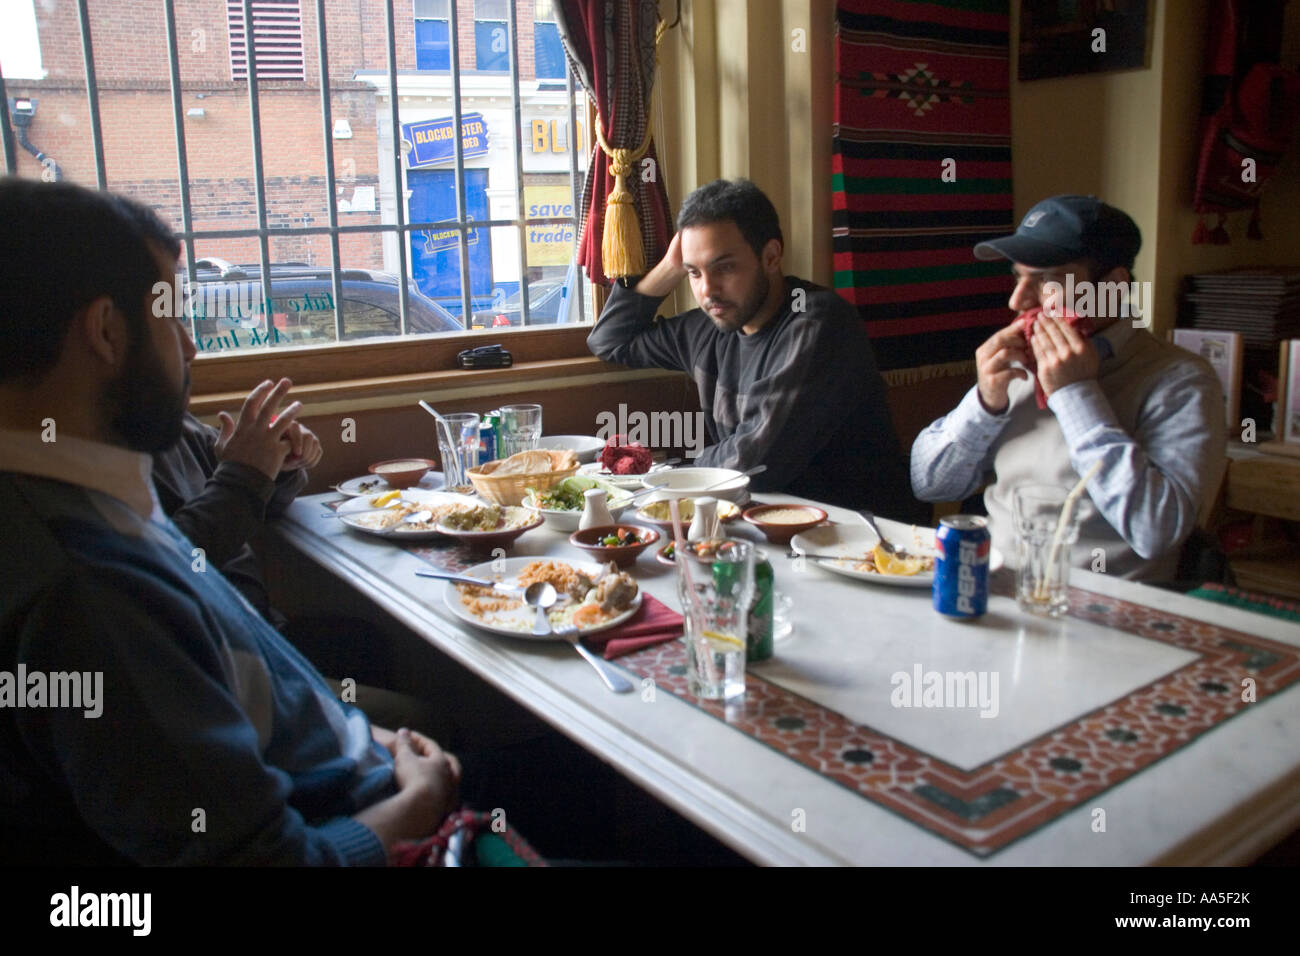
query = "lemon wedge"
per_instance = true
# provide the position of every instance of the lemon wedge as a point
(380, 500)
(723, 643)
(887, 563)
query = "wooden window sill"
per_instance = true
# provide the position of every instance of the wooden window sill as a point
(442, 385)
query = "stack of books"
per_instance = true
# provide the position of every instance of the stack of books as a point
(1263, 304)
(1244, 317)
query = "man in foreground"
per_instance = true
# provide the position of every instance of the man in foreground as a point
(785, 373)
(217, 742)
(1151, 413)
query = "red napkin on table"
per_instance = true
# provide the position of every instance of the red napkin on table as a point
(655, 623)
(1080, 324)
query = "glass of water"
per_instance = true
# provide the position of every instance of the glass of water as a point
(715, 583)
(521, 428)
(460, 457)
(1043, 569)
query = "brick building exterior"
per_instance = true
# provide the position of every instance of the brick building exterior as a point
(140, 156)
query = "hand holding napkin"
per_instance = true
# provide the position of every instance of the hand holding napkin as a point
(1084, 326)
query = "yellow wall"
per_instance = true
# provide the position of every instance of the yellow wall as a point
(743, 94)
(738, 100)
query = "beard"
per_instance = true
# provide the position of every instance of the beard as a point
(746, 310)
(143, 409)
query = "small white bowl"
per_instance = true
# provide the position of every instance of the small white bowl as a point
(584, 446)
(567, 521)
(692, 482)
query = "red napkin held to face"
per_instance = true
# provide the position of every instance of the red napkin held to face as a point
(655, 623)
(1081, 324)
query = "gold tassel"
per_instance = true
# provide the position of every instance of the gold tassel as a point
(621, 252)
(620, 245)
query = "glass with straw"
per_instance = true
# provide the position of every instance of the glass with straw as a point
(1046, 526)
(715, 582)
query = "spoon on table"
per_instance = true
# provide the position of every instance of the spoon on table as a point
(749, 472)
(542, 596)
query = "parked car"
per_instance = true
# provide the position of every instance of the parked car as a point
(231, 311)
(546, 301)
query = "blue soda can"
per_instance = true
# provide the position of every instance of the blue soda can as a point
(487, 442)
(961, 569)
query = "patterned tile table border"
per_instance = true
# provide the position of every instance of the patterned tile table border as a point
(986, 809)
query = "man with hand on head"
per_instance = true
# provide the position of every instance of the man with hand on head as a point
(206, 707)
(1058, 391)
(785, 373)
(219, 486)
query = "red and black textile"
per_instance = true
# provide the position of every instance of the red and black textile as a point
(610, 45)
(1248, 109)
(922, 88)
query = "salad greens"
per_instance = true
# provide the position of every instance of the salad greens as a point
(567, 495)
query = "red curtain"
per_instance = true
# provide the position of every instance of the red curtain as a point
(611, 49)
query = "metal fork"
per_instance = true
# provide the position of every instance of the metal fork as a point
(615, 682)
(885, 543)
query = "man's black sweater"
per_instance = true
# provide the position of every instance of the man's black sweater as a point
(801, 395)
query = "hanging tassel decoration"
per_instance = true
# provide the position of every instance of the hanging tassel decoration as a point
(1252, 230)
(621, 253)
(1201, 235)
(1220, 235)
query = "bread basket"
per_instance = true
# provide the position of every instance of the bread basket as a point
(511, 489)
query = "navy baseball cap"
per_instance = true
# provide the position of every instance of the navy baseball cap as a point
(1065, 228)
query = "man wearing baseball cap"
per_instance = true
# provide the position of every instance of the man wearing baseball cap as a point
(1072, 381)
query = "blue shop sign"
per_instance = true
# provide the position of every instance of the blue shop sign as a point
(431, 140)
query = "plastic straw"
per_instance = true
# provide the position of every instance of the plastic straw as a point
(459, 477)
(703, 653)
(1067, 512)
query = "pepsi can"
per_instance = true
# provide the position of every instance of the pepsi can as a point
(961, 568)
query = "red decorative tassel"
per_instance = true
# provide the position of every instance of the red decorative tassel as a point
(1252, 230)
(1201, 235)
(1220, 235)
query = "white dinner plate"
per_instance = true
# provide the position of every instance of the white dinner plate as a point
(518, 622)
(427, 499)
(854, 541)
(629, 482)
(432, 481)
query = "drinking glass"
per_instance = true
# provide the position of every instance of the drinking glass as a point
(521, 428)
(715, 590)
(1043, 572)
(461, 456)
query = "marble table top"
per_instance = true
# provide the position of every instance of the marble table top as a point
(1145, 727)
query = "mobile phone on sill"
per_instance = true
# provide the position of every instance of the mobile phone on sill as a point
(485, 356)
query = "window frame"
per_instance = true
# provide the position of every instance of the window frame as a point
(550, 348)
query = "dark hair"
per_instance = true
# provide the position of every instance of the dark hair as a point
(61, 247)
(738, 201)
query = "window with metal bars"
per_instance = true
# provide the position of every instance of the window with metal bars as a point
(394, 228)
(277, 39)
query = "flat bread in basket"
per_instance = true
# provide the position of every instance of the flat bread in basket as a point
(506, 482)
